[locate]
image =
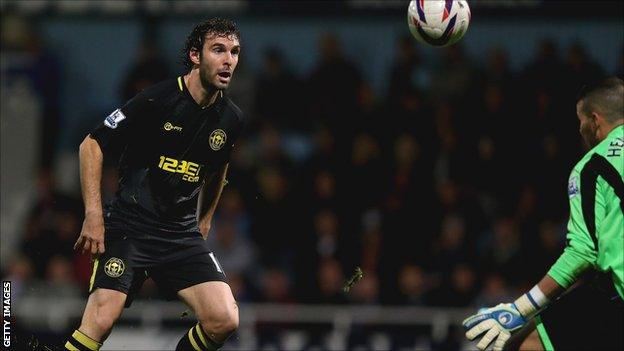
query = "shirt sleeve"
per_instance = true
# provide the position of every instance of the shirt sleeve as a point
(238, 130)
(114, 132)
(234, 134)
(581, 250)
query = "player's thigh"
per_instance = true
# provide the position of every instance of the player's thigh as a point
(212, 302)
(532, 342)
(112, 285)
(526, 338)
(199, 280)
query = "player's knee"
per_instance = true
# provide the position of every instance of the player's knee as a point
(221, 326)
(98, 319)
(104, 323)
(223, 323)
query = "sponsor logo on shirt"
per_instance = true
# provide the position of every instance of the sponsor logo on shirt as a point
(573, 187)
(168, 126)
(112, 121)
(188, 169)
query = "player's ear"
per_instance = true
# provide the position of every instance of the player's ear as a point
(597, 118)
(601, 124)
(195, 56)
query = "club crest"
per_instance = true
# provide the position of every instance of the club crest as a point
(114, 267)
(217, 139)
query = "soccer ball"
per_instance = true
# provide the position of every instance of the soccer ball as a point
(438, 22)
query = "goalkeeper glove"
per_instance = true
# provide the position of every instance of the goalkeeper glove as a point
(498, 322)
(501, 320)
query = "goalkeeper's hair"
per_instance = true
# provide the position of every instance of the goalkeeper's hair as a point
(213, 27)
(605, 97)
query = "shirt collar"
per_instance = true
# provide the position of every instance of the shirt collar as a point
(217, 103)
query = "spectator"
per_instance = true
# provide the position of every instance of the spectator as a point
(330, 282)
(148, 69)
(275, 286)
(274, 219)
(21, 274)
(52, 208)
(60, 278)
(413, 285)
(366, 291)
(452, 79)
(280, 94)
(451, 247)
(333, 87)
(494, 289)
(458, 289)
(407, 72)
(234, 250)
(502, 248)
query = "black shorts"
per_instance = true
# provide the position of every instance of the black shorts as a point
(587, 318)
(173, 264)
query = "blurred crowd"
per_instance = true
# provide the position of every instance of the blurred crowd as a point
(448, 189)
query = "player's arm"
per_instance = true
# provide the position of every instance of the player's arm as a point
(497, 323)
(581, 251)
(587, 211)
(579, 255)
(107, 138)
(209, 198)
(551, 289)
(91, 237)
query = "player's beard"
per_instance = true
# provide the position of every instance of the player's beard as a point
(204, 77)
(208, 80)
(588, 132)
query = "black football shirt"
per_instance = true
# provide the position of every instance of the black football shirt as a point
(169, 146)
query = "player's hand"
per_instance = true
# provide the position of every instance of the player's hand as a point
(496, 322)
(204, 228)
(91, 237)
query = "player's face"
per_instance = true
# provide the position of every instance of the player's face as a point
(588, 127)
(218, 60)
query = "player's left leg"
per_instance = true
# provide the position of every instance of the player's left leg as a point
(532, 342)
(526, 338)
(195, 276)
(216, 311)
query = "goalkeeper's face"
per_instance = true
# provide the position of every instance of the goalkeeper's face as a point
(218, 61)
(588, 127)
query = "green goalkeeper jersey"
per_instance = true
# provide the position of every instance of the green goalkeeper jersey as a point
(596, 227)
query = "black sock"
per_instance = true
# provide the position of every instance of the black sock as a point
(197, 340)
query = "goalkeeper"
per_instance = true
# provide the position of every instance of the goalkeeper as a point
(587, 316)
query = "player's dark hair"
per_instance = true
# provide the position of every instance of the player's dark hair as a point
(214, 26)
(605, 97)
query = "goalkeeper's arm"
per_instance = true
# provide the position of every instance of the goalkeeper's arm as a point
(579, 255)
(500, 321)
(537, 298)
(497, 323)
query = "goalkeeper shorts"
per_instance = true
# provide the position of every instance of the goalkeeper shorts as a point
(589, 317)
